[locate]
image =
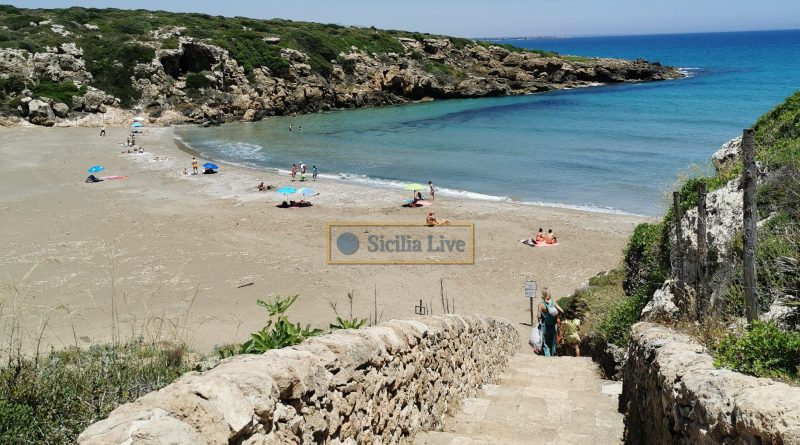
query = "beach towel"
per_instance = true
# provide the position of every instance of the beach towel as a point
(544, 244)
(421, 203)
(113, 178)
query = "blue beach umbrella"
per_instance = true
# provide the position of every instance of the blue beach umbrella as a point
(307, 191)
(286, 190)
(96, 168)
(211, 165)
(136, 124)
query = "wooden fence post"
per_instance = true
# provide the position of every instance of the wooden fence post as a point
(750, 218)
(702, 251)
(676, 214)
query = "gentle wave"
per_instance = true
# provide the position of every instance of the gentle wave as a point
(689, 71)
(365, 180)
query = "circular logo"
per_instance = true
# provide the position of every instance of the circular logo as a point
(347, 243)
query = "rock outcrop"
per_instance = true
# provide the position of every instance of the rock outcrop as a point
(672, 394)
(427, 68)
(376, 385)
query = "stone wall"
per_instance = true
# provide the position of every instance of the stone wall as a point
(672, 394)
(375, 385)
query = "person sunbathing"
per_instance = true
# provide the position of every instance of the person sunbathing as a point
(550, 237)
(431, 220)
(262, 187)
(539, 236)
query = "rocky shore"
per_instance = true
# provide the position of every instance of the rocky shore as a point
(198, 82)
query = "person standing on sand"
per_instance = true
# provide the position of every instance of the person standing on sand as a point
(294, 171)
(548, 314)
(431, 190)
(314, 172)
(195, 166)
(103, 130)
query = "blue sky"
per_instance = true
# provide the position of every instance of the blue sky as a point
(486, 18)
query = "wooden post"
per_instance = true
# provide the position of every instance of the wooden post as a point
(750, 217)
(532, 312)
(702, 251)
(676, 214)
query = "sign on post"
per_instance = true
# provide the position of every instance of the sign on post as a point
(530, 294)
(530, 289)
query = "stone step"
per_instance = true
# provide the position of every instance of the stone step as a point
(539, 400)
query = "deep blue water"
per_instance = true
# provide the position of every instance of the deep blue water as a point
(612, 147)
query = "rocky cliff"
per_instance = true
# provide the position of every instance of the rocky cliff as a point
(182, 78)
(673, 394)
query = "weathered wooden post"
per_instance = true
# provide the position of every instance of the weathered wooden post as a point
(750, 218)
(702, 251)
(676, 214)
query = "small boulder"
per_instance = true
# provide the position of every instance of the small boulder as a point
(40, 113)
(61, 109)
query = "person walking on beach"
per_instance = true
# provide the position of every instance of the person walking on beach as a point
(314, 172)
(294, 171)
(103, 130)
(431, 189)
(548, 315)
(302, 167)
(195, 166)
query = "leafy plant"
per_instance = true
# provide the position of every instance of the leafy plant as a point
(279, 332)
(51, 398)
(763, 350)
(58, 91)
(196, 81)
(347, 323)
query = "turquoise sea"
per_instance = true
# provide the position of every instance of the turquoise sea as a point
(609, 148)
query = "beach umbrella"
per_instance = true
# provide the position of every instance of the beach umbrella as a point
(307, 191)
(286, 190)
(136, 124)
(211, 165)
(414, 187)
(138, 119)
(96, 168)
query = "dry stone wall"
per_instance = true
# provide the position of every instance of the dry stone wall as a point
(377, 385)
(673, 394)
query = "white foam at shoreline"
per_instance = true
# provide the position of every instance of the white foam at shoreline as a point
(366, 181)
(688, 71)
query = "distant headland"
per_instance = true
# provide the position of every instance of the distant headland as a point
(87, 66)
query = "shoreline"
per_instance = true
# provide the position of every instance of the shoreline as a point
(167, 252)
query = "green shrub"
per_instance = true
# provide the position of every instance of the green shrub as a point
(11, 86)
(196, 81)
(348, 65)
(112, 64)
(52, 398)
(58, 91)
(646, 259)
(615, 325)
(763, 350)
(279, 332)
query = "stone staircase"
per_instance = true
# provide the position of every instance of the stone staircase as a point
(561, 400)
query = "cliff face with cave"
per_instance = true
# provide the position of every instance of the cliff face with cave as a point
(190, 79)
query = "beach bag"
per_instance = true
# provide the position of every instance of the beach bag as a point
(536, 339)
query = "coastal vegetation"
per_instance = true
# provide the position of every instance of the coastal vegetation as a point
(613, 302)
(196, 68)
(51, 397)
(115, 40)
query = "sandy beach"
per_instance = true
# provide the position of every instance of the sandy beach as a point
(165, 255)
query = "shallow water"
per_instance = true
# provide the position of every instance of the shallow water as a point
(607, 148)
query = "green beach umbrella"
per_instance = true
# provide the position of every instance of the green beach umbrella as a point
(414, 187)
